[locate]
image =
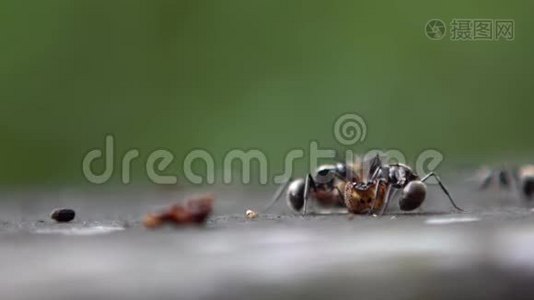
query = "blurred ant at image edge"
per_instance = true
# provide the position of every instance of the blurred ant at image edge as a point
(519, 179)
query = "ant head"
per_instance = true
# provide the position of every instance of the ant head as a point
(413, 195)
(342, 170)
(325, 174)
(295, 194)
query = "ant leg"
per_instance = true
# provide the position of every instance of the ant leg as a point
(277, 195)
(375, 167)
(341, 199)
(442, 188)
(486, 180)
(310, 183)
(335, 212)
(375, 174)
(377, 190)
(392, 193)
(514, 182)
(340, 195)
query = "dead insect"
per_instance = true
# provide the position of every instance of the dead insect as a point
(384, 184)
(63, 215)
(195, 211)
(519, 179)
(325, 187)
(153, 220)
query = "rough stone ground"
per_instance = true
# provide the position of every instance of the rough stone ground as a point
(487, 252)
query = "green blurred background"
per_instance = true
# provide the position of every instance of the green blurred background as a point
(270, 75)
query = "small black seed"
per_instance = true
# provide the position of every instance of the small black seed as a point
(63, 215)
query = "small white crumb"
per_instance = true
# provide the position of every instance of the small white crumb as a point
(250, 214)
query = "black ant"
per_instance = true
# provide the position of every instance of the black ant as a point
(384, 184)
(325, 187)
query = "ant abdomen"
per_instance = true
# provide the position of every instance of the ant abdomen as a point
(295, 194)
(413, 195)
(526, 177)
(528, 187)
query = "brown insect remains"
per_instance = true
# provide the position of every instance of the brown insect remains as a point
(360, 197)
(195, 211)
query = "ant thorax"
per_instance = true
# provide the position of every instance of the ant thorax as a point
(399, 175)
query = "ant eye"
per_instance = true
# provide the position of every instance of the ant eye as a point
(341, 169)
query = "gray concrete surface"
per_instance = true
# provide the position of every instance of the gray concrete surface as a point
(485, 253)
